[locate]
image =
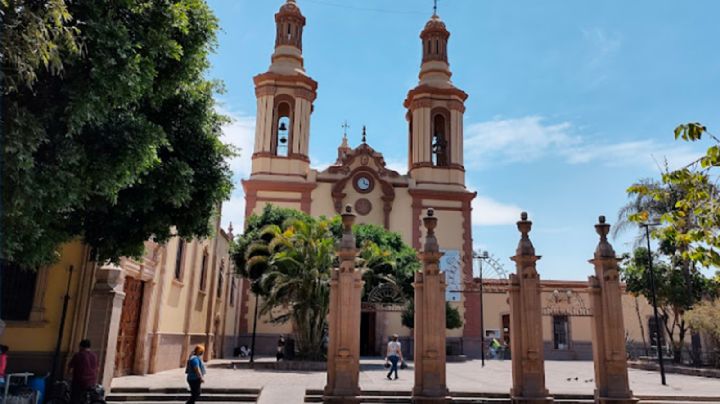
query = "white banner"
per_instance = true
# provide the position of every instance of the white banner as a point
(451, 264)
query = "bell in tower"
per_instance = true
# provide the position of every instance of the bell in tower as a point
(435, 114)
(285, 96)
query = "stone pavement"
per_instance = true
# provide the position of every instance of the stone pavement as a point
(288, 387)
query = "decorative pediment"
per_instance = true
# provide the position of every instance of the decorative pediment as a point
(362, 155)
(567, 303)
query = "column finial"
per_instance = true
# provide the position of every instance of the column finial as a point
(525, 246)
(604, 248)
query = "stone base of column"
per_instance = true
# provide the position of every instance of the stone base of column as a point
(341, 399)
(608, 400)
(430, 400)
(531, 400)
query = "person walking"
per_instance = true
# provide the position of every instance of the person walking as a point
(280, 352)
(195, 371)
(84, 369)
(3, 363)
(394, 355)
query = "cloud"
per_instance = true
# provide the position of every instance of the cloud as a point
(601, 44)
(489, 212)
(240, 132)
(530, 138)
(514, 140)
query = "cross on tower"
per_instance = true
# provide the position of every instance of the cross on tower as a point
(434, 7)
(345, 127)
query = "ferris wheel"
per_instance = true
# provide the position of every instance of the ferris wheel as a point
(486, 266)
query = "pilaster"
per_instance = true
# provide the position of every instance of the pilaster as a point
(106, 301)
(608, 329)
(343, 357)
(429, 331)
(526, 341)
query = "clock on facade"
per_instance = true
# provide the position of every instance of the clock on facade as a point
(363, 183)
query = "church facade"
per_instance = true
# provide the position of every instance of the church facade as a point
(281, 172)
(435, 178)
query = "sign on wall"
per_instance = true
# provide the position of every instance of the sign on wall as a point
(451, 264)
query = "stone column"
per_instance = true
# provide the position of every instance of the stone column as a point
(429, 337)
(106, 301)
(343, 357)
(608, 328)
(526, 337)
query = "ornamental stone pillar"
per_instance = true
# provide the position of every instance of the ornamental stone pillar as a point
(429, 337)
(608, 329)
(526, 337)
(105, 309)
(343, 356)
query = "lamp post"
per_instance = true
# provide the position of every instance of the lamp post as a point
(658, 336)
(483, 255)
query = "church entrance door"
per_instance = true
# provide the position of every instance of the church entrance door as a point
(367, 334)
(129, 325)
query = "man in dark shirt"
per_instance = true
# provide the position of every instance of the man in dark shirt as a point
(84, 369)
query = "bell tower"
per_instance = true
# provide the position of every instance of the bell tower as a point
(435, 115)
(285, 95)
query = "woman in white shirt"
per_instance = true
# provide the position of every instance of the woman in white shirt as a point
(394, 355)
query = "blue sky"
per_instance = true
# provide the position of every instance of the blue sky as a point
(570, 101)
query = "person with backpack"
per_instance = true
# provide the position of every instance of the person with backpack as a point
(195, 371)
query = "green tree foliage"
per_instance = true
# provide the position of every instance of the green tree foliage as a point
(674, 298)
(279, 253)
(693, 225)
(114, 143)
(452, 316)
(254, 240)
(385, 255)
(36, 35)
(297, 281)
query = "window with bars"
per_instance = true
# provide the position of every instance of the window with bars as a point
(18, 292)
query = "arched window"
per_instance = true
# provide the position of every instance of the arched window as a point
(440, 141)
(282, 138)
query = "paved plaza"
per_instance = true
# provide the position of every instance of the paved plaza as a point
(288, 387)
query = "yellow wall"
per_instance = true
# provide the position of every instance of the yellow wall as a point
(42, 336)
(172, 319)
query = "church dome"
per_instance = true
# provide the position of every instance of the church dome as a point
(435, 24)
(290, 8)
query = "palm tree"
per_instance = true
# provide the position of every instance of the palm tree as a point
(297, 281)
(644, 202)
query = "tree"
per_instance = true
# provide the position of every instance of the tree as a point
(36, 36)
(673, 297)
(693, 225)
(297, 281)
(392, 259)
(260, 254)
(705, 316)
(452, 316)
(116, 143)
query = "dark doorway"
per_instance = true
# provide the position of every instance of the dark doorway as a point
(506, 328)
(367, 334)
